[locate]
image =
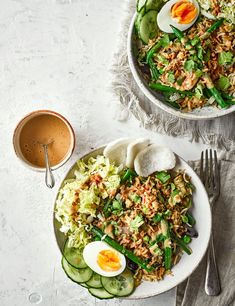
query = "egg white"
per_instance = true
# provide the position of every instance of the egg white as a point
(90, 255)
(164, 18)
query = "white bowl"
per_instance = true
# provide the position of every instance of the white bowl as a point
(207, 112)
(188, 263)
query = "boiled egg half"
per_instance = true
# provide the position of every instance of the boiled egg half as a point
(103, 259)
(180, 14)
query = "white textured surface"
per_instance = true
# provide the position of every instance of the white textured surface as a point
(55, 54)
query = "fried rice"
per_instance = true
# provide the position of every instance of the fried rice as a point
(170, 61)
(153, 198)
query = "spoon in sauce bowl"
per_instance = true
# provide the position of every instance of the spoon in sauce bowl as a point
(49, 177)
(40, 134)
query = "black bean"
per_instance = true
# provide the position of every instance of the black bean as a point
(191, 231)
(132, 265)
(145, 69)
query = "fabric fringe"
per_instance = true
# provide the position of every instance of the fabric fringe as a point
(217, 133)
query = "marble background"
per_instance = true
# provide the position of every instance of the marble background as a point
(56, 54)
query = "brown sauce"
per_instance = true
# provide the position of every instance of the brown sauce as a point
(45, 128)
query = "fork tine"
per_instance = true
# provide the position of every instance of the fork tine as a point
(206, 172)
(217, 173)
(201, 167)
(211, 172)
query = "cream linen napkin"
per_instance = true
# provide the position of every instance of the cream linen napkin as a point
(191, 292)
(218, 132)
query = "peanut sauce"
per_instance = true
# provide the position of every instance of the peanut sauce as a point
(44, 129)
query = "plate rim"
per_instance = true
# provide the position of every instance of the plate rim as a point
(93, 152)
(147, 92)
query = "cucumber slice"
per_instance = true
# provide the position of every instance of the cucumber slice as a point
(94, 281)
(74, 257)
(100, 293)
(76, 275)
(138, 19)
(148, 28)
(140, 4)
(120, 285)
(153, 5)
(83, 285)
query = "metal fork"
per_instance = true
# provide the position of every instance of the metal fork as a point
(210, 176)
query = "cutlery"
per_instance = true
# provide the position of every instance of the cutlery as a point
(49, 177)
(210, 176)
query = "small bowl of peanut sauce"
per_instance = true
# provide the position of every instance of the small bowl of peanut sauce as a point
(43, 127)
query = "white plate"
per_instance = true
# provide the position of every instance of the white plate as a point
(188, 263)
(207, 112)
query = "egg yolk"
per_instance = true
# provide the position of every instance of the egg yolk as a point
(108, 260)
(183, 12)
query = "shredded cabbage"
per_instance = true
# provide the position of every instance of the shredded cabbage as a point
(227, 9)
(85, 196)
(87, 200)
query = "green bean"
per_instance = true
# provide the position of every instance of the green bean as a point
(227, 96)
(195, 41)
(184, 218)
(168, 101)
(214, 91)
(219, 97)
(212, 28)
(167, 244)
(187, 239)
(153, 50)
(153, 69)
(173, 104)
(97, 238)
(181, 243)
(121, 249)
(161, 87)
(191, 220)
(129, 174)
(157, 218)
(167, 257)
(162, 42)
(165, 228)
(169, 89)
(216, 94)
(106, 208)
(180, 35)
(230, 102)
(215, 25)
(206, 93)
(159, 238)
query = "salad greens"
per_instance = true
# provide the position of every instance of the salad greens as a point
(90, 197)
(225, 58)
(223, 83)
(136, 223)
